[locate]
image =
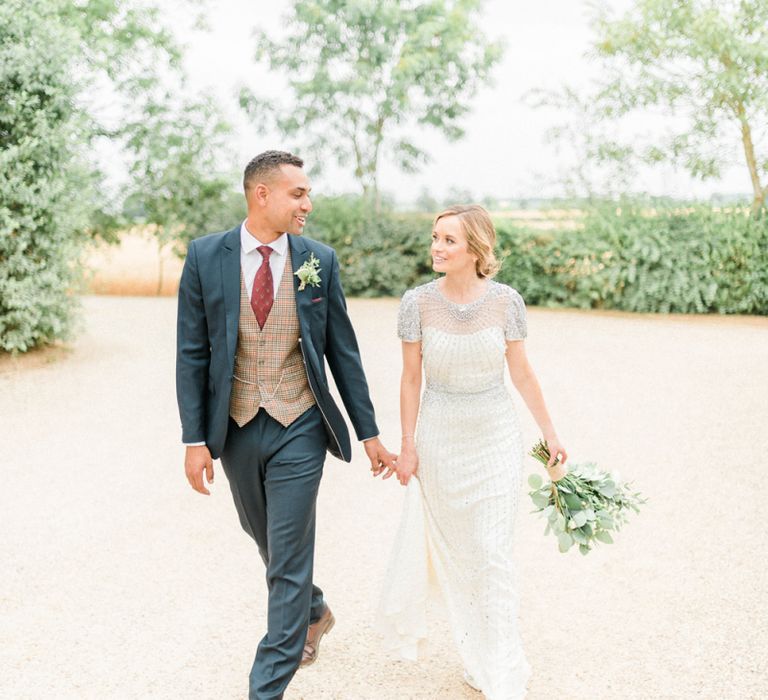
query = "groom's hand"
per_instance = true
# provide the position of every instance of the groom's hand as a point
(381, 458)
(196, 461)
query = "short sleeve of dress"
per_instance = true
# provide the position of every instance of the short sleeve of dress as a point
(516, 326)
(408, 321)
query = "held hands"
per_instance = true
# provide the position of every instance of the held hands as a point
(196, 461)
(407, 463)
(380, 457)
(403, 465)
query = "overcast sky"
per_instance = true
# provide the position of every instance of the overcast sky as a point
(503, 153)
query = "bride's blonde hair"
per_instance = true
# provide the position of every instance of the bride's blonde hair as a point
(481, 235)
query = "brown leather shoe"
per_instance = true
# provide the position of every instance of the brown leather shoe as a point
(314, 635)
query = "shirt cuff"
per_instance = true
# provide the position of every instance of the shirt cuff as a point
(370, 438)
(194, 444)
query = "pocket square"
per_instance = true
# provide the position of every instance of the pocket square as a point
(316, 299)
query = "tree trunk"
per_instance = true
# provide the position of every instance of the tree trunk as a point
(759, 192)
(159, 268)
(359, 171)
(374, 164)
(376, 193)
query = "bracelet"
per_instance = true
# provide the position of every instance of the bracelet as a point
(406, 436)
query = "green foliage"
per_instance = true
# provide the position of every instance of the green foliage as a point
(364, 74)
(629, 258)
(53, 56)
(380, 255)
(42, 182)
(704, 62)
(176, 181)
(426, 203)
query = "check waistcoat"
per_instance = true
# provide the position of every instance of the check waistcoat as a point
(269, 370)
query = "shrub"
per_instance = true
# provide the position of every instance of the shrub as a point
(380, 254)
(693, 261)
(627, 258)
(42, 189)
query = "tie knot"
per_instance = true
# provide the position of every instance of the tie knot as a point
(265, 251)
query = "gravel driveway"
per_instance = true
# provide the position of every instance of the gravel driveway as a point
(118, 581)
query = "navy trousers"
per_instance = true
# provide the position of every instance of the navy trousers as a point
(274, 474)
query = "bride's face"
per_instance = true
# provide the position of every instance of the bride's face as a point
(450, 252)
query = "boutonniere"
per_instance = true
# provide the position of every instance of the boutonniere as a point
(308, 273)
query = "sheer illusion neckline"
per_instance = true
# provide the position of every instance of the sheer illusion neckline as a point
(468, 304)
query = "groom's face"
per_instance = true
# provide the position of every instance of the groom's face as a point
(287, 203)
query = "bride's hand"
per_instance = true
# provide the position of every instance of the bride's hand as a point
(557, 470)
(406, 465)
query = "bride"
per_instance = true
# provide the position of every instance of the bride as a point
(462, 442)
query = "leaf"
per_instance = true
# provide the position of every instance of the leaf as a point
(578, 536)
(564, 542)
(579, 518)
(584, 549)
(604, 536)
(572, 501)
(539, 499)
(535, 481)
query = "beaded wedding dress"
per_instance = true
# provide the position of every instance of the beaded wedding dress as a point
(458, 518)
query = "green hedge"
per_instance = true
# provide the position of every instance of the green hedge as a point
(694, 261)
(380, 254)
(698, 261)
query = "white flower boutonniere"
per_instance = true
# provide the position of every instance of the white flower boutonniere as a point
(308, 273)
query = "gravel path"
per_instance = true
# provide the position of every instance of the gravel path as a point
(119, 582)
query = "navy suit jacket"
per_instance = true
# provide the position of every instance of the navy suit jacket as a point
(206, 342)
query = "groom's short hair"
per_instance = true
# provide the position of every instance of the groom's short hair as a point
(264, 165)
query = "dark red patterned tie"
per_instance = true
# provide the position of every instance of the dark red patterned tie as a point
(263, 295)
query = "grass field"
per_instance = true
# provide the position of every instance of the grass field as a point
(135, 267)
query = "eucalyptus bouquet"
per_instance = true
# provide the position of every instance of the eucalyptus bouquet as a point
(582, 507)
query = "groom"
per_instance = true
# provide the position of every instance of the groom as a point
(260, 308)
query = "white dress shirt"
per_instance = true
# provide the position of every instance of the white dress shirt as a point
(250, 258)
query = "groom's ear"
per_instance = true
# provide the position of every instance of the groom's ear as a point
(257, 194)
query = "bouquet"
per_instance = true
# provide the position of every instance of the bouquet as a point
(582, 507)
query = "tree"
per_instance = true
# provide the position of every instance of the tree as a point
(43, 186)
(705, 62)
(594, 166)
(363, 74)
(177, 183)
(458, 195)
(52, 55)
(426, 202)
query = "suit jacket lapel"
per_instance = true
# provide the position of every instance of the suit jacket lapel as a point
(299, 255)
(230, 278)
